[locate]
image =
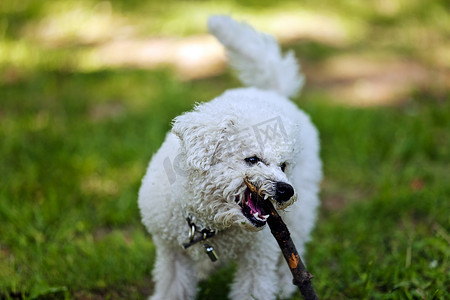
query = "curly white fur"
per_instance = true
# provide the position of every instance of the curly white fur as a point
(257, 57)
(199, 173)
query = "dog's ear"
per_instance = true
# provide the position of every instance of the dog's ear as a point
(199, 136)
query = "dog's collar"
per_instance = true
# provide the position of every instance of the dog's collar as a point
(197, 235)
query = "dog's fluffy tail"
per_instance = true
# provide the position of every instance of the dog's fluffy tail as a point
(257, 57)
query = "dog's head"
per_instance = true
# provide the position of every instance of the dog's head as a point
(232, 155)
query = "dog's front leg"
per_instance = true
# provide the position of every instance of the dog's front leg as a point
(256, 277)
(174, 274)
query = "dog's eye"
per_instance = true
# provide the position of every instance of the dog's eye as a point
(252, 160)
(283, 166)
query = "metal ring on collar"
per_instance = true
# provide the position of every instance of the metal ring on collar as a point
(192, 232)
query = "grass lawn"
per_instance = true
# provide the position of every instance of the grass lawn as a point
(75, 144)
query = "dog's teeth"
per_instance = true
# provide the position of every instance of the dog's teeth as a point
(260, 218)
(266, 196)
(256, 215)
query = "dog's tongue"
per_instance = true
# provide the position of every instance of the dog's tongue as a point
(251, 203)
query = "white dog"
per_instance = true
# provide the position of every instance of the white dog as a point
(194, 199)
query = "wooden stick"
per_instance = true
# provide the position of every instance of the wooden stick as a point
(302, 278)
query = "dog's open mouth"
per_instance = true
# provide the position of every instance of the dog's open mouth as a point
(252, 209)
(252, 206)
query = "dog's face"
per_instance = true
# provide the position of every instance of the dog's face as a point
(229, 160)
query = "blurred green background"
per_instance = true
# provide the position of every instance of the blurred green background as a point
(87, 93)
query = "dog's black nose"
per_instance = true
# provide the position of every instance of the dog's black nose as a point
(284, 191)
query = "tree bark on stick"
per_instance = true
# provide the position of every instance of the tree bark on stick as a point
(302, 278)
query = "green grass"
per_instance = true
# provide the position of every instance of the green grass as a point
(75, 145)
(392, 242)
(76, 148)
